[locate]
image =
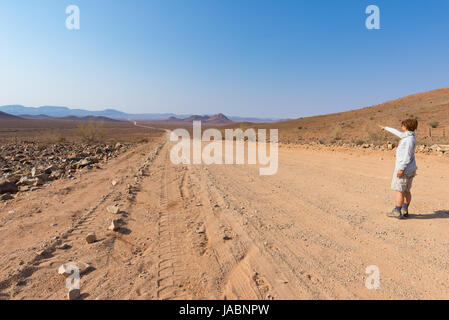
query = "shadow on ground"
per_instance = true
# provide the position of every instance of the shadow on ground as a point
(440, 214)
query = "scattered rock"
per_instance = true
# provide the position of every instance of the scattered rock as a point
(114, 226)
(50, 169)
(226, 237)
(91, 237)
(201, 229)
(41, 252)
(114, 183)
(8, 187)
(6, 197)
(25, 181)
(34, 164)
(64, 246)
(113, 209)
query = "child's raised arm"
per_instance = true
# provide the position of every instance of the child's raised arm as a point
(394, 131)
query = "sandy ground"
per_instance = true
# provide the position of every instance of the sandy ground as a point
(224, 232)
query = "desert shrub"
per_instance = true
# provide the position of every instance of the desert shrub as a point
(337, 133)
(50, 136)
(433, 123)
(91, 132)
(299, 128)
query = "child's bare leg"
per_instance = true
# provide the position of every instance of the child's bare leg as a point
(407, 197)
(400, 198)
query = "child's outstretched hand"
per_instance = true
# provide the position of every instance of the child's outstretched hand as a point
(381, 127)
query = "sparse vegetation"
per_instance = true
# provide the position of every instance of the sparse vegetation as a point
(91, 132)
(337, 134)
(433, 124)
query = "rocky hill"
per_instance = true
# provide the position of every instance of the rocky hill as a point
(361, 126)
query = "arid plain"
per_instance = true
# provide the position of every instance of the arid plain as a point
(224, 231)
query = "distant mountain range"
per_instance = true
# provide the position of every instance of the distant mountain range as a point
(215, 119)
(64, 112)
(61, 112)
(6, 116)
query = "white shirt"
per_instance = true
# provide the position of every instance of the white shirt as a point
(405, 153)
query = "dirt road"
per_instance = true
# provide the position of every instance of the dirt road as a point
(224, 232)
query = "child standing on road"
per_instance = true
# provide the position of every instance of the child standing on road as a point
(405, 169)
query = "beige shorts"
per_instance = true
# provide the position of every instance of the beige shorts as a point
(404, 183)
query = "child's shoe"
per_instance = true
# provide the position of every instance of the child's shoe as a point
(396, 213)
(404, 212)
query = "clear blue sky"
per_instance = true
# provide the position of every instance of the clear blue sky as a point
(278, 58)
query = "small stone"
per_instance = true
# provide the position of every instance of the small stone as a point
(49, 169)
(282, 281)
(114, 225)
(225, 237)
(6, 197)
(64, 246)
(73, 294)
(91, 237)
(200, 230)
(25, 181)
(114, 183)
(113, 209)
(8, 187)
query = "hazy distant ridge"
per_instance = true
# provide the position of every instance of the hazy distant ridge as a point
(61, 112)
